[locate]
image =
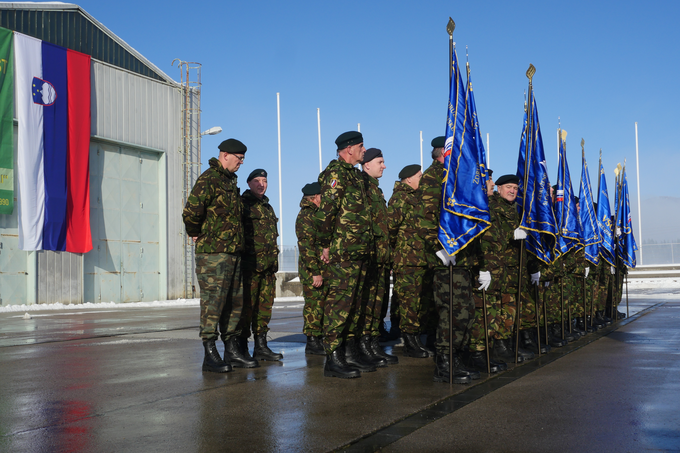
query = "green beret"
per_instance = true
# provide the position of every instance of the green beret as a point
(507, 179)
(409, 171)
(348, 139)
(313, 188)
(370, 154)
(438, 142)
(256, 174)
(232, 146)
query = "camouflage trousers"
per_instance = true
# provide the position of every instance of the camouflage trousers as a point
(460, 308)
(592, 293)
(343, 303)
(574, 285)
(605, 280)
(312, 312)
(413, 289)
(376, 293)
(532, 301)
(259, 289)
(219, 277)
(500, 318)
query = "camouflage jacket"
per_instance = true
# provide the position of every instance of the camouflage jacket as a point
(259, 226)
(500, 249)
(343, 219)
(213, 212)
(427, 221)
(309, 250)
(408, 246)
(378, 208)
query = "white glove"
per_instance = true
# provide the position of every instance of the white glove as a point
(535, 278)
(484, 279)
(587, 271)
(520, 234)
(446, 258)
(618, 232)
(612, 269)
(546, 284)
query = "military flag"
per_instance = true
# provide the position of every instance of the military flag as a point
(465, 205)
(6, 122)
(565, 206)
(626, 242)
(590, 232)
(534, 202)
(604, 219)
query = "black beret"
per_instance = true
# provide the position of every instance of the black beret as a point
(256, 174)
(371, 153)
(489, 172)
(409, 171)
(348, 139)
(438, 142)
(555, 187)
(232, 146)
(313, 188)
(507, 179)
(576, 199)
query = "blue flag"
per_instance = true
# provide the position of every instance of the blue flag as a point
(627, 245)
(590, 232)
(534, 201)
(604, 220)
(465, 205)
(565, 205)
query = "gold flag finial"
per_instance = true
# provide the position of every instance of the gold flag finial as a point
(530, 72)
(564, 135)
(583, 143)
(450, 27)
(617, 169)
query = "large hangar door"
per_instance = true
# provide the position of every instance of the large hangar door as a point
(123, 265)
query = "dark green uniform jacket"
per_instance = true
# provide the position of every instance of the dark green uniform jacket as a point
(408, 246)
(378, 207)
(213, 212)
(309, 250)
(259, 225)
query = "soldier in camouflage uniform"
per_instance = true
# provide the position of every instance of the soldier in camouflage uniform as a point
(410, 263)
(377, 287)
(212, 217)
(311, 269)
(462, 307)
(345, 233)
(260, 264)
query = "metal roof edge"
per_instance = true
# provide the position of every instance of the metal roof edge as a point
(73, 6)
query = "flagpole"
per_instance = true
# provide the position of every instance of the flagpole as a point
(450, 27)
(421, 150)
(488, 152)
(278, 121)
(318, 128)
(530, 74)
(637, 169)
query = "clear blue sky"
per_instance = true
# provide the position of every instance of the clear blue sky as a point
(601, 66)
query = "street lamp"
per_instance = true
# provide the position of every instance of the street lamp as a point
(212, 131)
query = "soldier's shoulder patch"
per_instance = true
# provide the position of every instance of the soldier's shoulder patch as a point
(334, 183)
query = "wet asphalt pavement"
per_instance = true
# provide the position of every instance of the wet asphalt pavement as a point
(129, 379)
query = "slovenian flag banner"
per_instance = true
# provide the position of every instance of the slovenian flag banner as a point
(53, 109)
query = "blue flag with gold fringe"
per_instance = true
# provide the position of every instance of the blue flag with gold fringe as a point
(565, 205)
(604, 220)
(590, 232)
(627, 246)
(465, 204)
(533, 201)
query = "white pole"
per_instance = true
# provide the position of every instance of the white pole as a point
(488, 152)
(558, 146)
(637, 164)
(278, 121)
(358, 127)
(318, 126)
(421, 150)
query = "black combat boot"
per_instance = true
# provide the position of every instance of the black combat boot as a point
(597, 322)
(262, 351)
(477, 360)
(552, 340)
(557, 331)
(524, 353)
(232, 351)
(380, 352)
(395, 331)
(413, 347)
(314, 346)
(212, 360)
(441, 371)
(599, 315)
(355, 359)
(243, 347)
(581, 323)
(336, 366)
(502, 352)
(460, 368)
(430, 341)
(577, 329)
(527, 340)
(368, 355)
